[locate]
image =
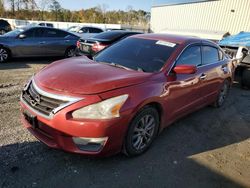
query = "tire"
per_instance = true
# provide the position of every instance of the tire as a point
(70, 52)
(245, 80)
(222, 94)
(142, 131)
(2, 32)
(4, 54)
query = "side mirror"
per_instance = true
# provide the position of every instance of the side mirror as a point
(185, 69)
(22, 36)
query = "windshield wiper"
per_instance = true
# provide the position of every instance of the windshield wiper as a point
(115, 65)
(121, 66)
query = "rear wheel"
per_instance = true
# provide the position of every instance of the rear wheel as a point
(222, 94)
(245, 80)
(142, 131)
(4, 55)
(70, 52)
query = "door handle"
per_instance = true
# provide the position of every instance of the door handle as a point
(43, 42)
(203, 76)
(67, 40)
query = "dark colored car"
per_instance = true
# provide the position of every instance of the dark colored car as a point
(123, 98)
(37, 42)
(4, 27)
(91, 46)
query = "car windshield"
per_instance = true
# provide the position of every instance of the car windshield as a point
(138, 54)
(14, 33)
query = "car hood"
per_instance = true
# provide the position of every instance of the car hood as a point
(81, 75)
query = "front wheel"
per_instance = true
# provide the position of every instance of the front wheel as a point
(142, 131)
(4, 55)
(222, 94)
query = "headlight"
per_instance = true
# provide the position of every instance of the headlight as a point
(107, 109)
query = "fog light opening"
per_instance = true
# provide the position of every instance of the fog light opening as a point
(90, 144)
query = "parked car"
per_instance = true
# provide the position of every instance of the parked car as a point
(91, 46)
(123, 98)
(44, 24)
(4, 27)
(238, 48)
(87, 31)
(37, 41)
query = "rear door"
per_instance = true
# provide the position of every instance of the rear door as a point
(184, 91)
(55, 42)
(213, 70)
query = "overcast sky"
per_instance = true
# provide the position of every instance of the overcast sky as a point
(117, 4)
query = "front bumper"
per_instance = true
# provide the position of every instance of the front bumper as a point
(89, 137)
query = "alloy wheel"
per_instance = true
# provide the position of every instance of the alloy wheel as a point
(3, 55)
(71, 52)
(143, 132)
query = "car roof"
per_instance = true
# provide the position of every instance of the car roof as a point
(178, 39)
(112, 35)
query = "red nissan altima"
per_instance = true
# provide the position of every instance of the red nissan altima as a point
(123, 98)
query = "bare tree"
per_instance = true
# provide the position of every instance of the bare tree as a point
(44, 5)
(129, 10)
(103, 9)
(55, 8)
(2, 8)
(13, 6)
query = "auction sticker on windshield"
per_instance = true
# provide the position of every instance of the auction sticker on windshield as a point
(165, 43)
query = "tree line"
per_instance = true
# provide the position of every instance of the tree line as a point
(51, 10)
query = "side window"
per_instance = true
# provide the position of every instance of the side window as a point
(30, 33)
(54, 33)
(95, 30)
(84, 30)
(34, 33)
(210, 55)
(50, 25)
(191, 56)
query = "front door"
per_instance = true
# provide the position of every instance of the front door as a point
(184, 91)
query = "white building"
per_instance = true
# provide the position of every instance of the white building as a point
(213, 16)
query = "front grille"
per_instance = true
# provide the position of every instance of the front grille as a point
(39, 102)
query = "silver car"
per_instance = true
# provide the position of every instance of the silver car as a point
(37, 42)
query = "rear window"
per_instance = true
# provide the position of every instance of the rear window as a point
(109, 35)
(138, 54)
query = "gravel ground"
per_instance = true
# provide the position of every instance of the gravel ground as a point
(209, 148)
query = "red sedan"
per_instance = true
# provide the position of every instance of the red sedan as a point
(123, 98)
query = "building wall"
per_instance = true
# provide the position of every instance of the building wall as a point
(206, 16)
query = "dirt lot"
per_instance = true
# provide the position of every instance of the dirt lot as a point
(210, 148)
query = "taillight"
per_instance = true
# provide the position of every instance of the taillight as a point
(78, 44)
(98, 47)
